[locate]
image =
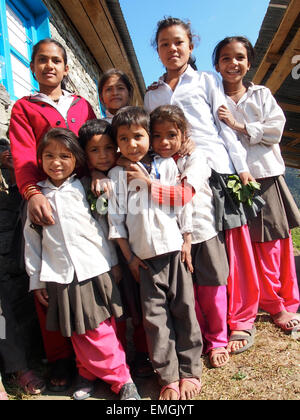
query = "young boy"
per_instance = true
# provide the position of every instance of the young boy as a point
(150, 239)
(101, 152)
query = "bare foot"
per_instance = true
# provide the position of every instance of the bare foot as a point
(218, 357)
(286, 320)
(170, 392)
(189, 388)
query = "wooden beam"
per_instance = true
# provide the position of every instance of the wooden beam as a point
(287, 22)
(289, 107)
(285, 65)
(291, 134)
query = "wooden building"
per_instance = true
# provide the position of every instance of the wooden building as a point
(278, 67)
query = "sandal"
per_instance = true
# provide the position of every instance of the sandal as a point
(61, 370)
(174, 387)
(214, 360)
(31, 384)
(249, 338)
(129, 392)
(195, 382)
(84, 389)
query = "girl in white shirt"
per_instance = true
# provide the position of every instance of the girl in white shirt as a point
(199, 95)
(258, 120)
(115, 91)
(69, 268)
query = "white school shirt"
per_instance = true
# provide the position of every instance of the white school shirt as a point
(264, 121)
(198, 216)
(151, 229)
(199, 94)
(75, 244)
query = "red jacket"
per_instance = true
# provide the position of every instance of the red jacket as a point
(30, 120)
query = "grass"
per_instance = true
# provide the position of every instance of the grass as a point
(296, 238)
(270, 370)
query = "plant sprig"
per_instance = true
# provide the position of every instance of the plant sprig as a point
(242, 193)
(98, 204)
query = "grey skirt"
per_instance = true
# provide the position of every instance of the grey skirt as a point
(81, 306)
(210, 262)
(279, 215)
(230, 213)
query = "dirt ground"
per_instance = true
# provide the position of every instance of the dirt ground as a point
(270, 370)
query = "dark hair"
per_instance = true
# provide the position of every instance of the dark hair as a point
(68, 139)
(36, 48)
(171, 113)
(243, 40)
(93, 128)
(128, 116)
(115, 72)
(170, 21)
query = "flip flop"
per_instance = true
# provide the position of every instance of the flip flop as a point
(173, 386)
(215, 351)
(84, 389)
(249, 338)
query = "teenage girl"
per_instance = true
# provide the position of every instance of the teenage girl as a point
(69, 268)
(169, 133)
(31, 117)
(258, 120)
(199, 95)
(115, 91)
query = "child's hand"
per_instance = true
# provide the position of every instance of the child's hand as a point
(137, 173)
(186, 253)
(225, 115)
(100, 183)
(126, 163)
(42, 296)
(40, 211)
(134, 267)
(246, 177)
(187, 147)
(117, 273)
(153, 86)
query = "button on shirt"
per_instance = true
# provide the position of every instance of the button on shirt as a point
(264, 121)
(151, 229)
(199, 95)
(75, 244)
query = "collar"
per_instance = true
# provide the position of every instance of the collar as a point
(48, 184)
(189, 73)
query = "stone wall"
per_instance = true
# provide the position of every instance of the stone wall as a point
(84, 72)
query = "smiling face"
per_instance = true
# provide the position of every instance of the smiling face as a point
(166, 138)
(101, 152)
(174, 47)
(233, 62)
(114, 94)
(133, 142)
(58, 162)
(49, 66)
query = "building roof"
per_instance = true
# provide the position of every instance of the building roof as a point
(277, 66)
(102, 27)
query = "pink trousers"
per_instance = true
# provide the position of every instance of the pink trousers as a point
(99, 354)
(211, 311)
(275, 263)
(243, 285)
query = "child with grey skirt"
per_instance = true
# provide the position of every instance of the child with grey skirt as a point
(69, 268)
(150, 239)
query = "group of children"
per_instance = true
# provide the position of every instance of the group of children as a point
(132, 216)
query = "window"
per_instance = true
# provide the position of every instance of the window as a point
(22, 24)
